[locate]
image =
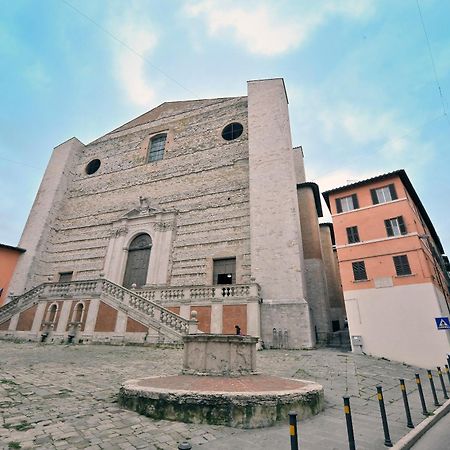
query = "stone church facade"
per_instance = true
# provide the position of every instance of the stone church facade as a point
(195, 205)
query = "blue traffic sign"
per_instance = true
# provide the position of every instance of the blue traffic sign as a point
(442, 323)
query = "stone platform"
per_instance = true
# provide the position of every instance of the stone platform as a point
(251, 401)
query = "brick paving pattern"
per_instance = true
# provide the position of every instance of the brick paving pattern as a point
(64, 397)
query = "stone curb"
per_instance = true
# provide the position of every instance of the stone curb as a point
(406, 442)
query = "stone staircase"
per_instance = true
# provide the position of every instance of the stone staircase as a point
(168, 324)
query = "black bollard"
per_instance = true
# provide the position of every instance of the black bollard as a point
(448, 359)
(433, 389)
(422, 398)
(185, 446)
(293, 430)
(409, 422)
(348, 419)
(444, 390)
(448, 372)
(387, 438)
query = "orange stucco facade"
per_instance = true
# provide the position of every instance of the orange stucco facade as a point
(8, 260)
(376, 248)
(392, 269)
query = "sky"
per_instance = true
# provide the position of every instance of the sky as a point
(368, 81)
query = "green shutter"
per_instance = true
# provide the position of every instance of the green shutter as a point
(373, 193)
(401, 225)
(393, 192)
(388, 225)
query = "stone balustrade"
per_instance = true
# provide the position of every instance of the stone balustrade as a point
(149, 301)
(196, 294)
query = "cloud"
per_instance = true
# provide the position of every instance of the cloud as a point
(346, 141)
(262, 29)
(135, 31)
(37, 76)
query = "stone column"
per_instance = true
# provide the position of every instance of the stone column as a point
(91, 318)
(275, 236)
(13, 322)
(217, 317)
(38, 317)
(316, 283)
(253, 318)
(185, 310)
(63, 317)
(121, 323)
(336, 296)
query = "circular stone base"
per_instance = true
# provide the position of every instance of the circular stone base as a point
(251, 401)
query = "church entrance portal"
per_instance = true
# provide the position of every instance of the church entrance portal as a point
(137, 262)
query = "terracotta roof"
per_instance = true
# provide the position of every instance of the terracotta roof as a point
(10, 247)
(409, 188)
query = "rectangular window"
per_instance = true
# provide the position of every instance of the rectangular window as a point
(65, 277)
(359, 270)
(224, 271)
(347, 203)
(157, 146)
(401, 264)
(395, 226)
(352, 235)
(383, 194)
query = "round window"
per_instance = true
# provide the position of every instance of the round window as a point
(232, 131)
(93, 166)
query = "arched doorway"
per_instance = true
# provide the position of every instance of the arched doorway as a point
(137, 262)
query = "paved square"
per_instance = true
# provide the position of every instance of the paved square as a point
(64, 397)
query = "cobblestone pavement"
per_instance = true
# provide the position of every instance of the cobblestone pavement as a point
(64, 397)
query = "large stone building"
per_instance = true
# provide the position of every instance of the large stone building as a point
(194, 205)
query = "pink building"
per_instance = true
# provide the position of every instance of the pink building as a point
(394, 275)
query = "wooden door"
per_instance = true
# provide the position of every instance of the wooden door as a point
(137, 262)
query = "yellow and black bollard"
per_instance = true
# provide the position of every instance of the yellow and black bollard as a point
(433, 389)
(348, 419)
(422, 398)
(409, 422)
(387, 437)
(441, 378)
(447, 371)
(293, 430)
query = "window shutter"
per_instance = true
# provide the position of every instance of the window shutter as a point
(355, 234)
(398, 265)
(355, 201)
(373, 193)
(338, 205)
(401, 264)
(359, 270)
(401, 225)
(388, 225)
(393, 192)
(349, 235)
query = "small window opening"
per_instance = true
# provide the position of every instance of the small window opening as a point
(93, 166)
(225, 271)
(232, 131)
(65, 277)
(79, 312)
(52, 313)
(157, 146)
(335, 326)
